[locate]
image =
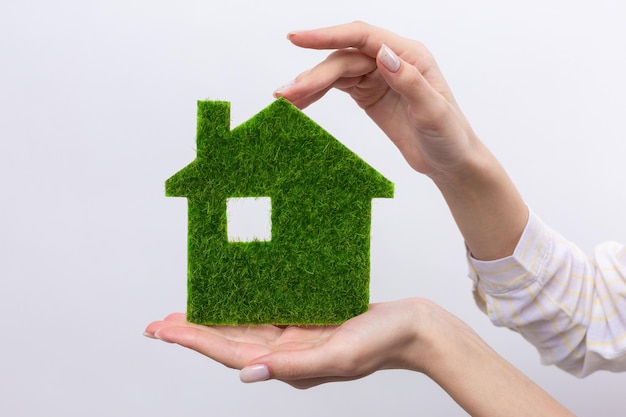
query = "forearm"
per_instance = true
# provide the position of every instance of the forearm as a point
(485, 384)
(485, 204)
(477, 378)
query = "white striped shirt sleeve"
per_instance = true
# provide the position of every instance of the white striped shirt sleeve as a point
(572, 307)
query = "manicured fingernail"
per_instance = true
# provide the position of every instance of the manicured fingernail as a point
(158, 336)
(389, 59)
(254, 373)
(149, 335)
(281, 90)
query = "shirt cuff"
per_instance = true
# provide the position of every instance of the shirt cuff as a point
(519, 270)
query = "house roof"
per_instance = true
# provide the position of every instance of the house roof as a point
(278, 149)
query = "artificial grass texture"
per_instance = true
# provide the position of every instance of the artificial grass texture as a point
(315, 269)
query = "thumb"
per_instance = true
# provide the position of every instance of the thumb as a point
(291, 366)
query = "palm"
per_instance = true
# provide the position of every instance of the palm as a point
(329, 352)
(235, 346)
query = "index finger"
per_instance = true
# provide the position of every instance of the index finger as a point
(360, 35)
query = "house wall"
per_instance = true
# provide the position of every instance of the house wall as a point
(98, 108)
(291, 279)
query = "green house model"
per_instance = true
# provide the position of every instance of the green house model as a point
(310, 263)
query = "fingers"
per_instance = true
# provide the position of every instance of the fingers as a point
(360, 52)
(342, 69)
(356, 45)
(305, 100)
(261, 372)
(171, 318)
(212, 345)
(234, 347)
(177, 317)
(359, 35)
(291, 366)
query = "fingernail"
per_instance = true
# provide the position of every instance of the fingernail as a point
(254, 373)
(389, 59)
(281, 90)
(158, 336)
(293, 32)
(149, 335)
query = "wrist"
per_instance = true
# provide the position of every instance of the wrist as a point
(485, 204)
(425, 324)
(472, 169)
(480, 380)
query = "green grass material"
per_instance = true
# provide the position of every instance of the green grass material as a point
(315, 269)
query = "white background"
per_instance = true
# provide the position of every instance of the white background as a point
(98, 107)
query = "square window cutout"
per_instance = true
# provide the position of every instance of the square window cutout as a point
(249, 219)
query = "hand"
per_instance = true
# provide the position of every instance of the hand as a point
(413, 334)
(400, 87)
(309, 356)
